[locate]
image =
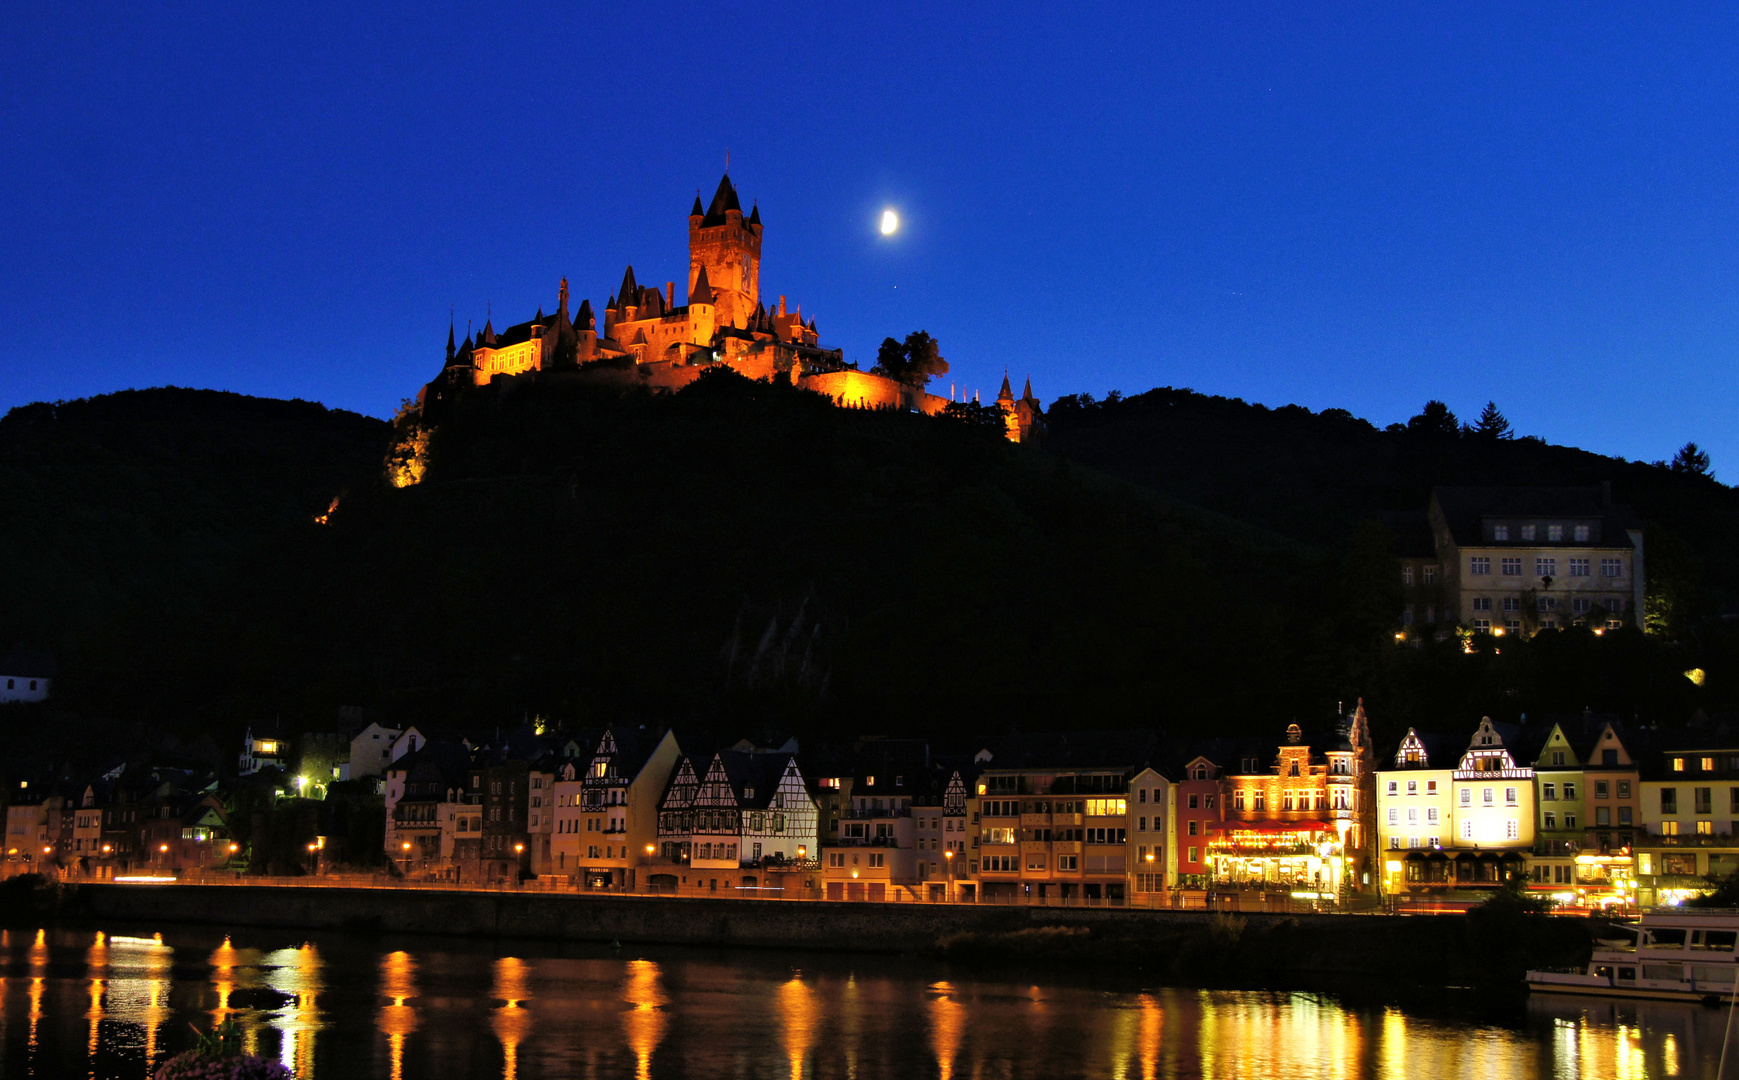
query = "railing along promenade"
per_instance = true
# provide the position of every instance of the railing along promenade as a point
(1247, 901)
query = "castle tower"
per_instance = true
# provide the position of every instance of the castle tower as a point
(728, 248)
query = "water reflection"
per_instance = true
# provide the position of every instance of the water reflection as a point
(353, 1008)
(511, 1021)
(947, 1022)
(1151, 1028)
(798, 1015)
(297, 974)
(643, 1023)
(398, 982)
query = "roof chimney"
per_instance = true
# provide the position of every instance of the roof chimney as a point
(781, 303)
(670, 294)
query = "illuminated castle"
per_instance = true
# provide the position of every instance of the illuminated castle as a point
(667, 345)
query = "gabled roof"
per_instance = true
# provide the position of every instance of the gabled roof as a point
(724, 200)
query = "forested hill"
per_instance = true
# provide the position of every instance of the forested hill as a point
(121, 512)
(743, 556)
(1311, 475)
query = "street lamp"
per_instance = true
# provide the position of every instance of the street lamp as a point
(948, 861)
(406, 848)
(314, 854)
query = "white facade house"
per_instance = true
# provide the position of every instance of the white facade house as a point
(371, 751)
(25, 675)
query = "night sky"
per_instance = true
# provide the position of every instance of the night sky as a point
(1361, 207)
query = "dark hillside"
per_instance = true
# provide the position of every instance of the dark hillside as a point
(1309, 475)
(741, 556)
(121, 511)
(747, 549)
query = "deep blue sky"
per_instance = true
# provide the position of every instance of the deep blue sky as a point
(1359, 207)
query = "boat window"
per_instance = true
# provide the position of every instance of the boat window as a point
(1604, 971)
(1723, 940)
(1721, 974)
(1628, 973)
(1666, 939)
(1664, 972)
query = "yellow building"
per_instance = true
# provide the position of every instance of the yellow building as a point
(1483, 809)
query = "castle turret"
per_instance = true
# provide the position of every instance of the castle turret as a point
(729, 249)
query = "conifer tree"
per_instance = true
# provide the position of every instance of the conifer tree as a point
(1493, 424)
(1691, 459)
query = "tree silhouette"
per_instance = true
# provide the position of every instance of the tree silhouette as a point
(1691, 459)
(914, 361)
(1435, 421)
(1493, 424)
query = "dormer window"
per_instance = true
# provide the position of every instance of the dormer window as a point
(1500, 532)
(748, 792)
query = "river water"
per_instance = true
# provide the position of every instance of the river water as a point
(87, 1004)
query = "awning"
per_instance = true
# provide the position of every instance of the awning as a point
(1272, 826)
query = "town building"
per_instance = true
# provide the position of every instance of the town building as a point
(371, 751)
(1301, 819)
(730, 821)
(1456, 822)
(1519, 560)
(263, 747)
(1689, 812)
(1197, 806)
(903, 829)
(605, 807)
(1054, 814)
(25, 675)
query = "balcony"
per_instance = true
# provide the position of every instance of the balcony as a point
(866, 841)
(854, 814)
(1035, 821)
(1066, 847)
(1691, 840)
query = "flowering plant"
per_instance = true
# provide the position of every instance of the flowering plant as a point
(217, 1055)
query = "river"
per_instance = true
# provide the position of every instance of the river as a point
(332, 1006)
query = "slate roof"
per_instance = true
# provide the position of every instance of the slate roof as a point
(1464, 508)
(724, 200)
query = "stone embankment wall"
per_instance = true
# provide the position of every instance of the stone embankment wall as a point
(1446, 949)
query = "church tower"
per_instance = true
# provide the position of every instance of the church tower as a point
(728, 248)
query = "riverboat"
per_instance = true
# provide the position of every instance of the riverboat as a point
(1667, 956)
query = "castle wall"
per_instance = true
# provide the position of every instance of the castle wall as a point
(861, 390)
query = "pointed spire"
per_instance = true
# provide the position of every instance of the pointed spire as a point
(450, 338)
(1005, 394)
(611, 306)
(724, 201)
(539, 316)
(755, 214)
(702, 293)
(1027, 394)
(630, 290)
(585, 320)
(697, 211)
